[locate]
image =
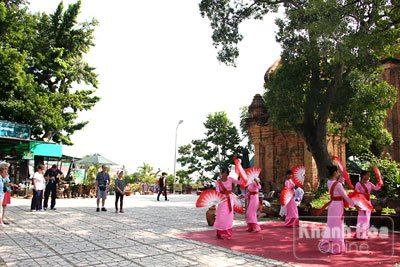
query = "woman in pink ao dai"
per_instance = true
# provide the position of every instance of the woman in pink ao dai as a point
(334, 233)
(292, 213)
(224, 219)
(252, 206)
(364, 216)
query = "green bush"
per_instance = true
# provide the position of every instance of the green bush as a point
(390, 171)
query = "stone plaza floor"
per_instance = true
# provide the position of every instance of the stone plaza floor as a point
(76, 235)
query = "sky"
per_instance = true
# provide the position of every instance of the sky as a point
(157, 65)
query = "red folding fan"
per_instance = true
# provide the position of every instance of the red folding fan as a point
(359, 200)
(237, 204)
(344, 171)
(209, 198)
(298, 175)
(240, 171)
(252, 174)
(286, 195)
(378, 176)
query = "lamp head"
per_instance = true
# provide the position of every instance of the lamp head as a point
(180, 121)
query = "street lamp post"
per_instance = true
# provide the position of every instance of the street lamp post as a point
(176, 138)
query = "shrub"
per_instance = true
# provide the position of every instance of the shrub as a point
(390, 171)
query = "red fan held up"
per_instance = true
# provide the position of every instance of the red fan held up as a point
(378, 176)
(359, 200)
(209, 198)
(344, 171)
(237, 204)
(252, 174)
(240, 171)
(286, 195)
(298, 175)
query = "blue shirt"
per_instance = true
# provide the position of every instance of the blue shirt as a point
(1, 187)
(102, 179)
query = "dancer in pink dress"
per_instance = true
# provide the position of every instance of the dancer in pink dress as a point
(224, 219)
(253, 204)
(292, 213)
(334, 233)
(364, 216)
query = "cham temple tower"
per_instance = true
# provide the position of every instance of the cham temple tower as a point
(277, 151)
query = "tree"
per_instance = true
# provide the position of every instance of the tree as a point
(42, 59)
(147, 173)
(132, 178)
(183, 177)
(216, 150)
(244, 115)
(331, 54)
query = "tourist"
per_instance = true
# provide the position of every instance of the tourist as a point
(101, 187)
(7, 191)
(119, 192)
(224, 219)
(52, 177)
(38, 186)
(3, 174)
(253, 204)
(334, 233)
(163, 186)
(292, 213)
(365, 187)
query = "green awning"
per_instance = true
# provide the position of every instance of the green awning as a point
(46, 149)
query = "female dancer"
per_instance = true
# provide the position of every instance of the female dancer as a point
(364, 216)
(334, 233)
(252, 206)
(292, 213)
(224, 219)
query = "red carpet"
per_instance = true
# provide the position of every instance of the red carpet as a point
(284, 244)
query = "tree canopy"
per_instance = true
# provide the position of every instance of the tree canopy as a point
(216, 150)
(42, 65)
(331, 56)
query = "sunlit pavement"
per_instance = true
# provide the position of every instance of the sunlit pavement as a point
(76, 235)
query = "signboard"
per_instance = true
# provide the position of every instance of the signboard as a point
(178, 187)
(78, 175)
(28, 155)
(16, 130)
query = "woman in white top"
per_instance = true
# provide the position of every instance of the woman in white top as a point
(38, 186)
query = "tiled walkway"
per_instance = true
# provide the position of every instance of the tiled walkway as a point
(76, 235)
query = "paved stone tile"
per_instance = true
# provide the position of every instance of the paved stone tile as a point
(23, 263)
(53, 261)
(138, 251)
(15, 254)
(165, 260)
(94, 258)
(177, 245)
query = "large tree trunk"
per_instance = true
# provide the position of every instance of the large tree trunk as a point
(314, 135)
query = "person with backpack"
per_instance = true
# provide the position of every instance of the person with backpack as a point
(163, 186)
